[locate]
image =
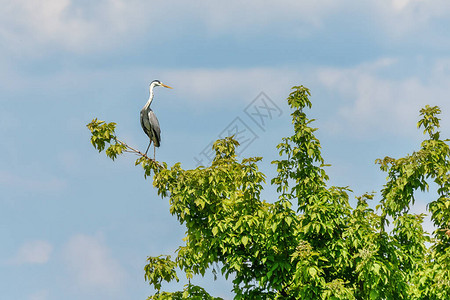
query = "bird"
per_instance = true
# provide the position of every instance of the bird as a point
(149, 122)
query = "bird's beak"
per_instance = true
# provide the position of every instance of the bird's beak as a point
(166, 86)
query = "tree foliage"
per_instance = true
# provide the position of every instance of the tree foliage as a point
(309, 243)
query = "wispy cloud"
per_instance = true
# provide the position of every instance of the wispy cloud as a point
(414, 20)
(371, 101)
(33, 184)
(31, 26)
(67, 24)
(239, 17)
(98, 24)
(39, 295)
(33, 252)
(210, 85)
(90, 262)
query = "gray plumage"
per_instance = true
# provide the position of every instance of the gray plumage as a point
(150, 125)
(149, 121)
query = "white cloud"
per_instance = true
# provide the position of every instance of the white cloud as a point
(373, 104)
(91, 263)
(33, 252)
(42, 184)
(67, 23)
(210, 85)
(242, 17)
(402, 4)
(39, 295)
(34, 27)
(366, 100)
(412, 18)
(69, 160)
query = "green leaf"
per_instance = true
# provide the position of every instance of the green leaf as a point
(215, 230)
(374, 294)
(244, 240)
(312, 272)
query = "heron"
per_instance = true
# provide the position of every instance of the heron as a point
(149, 122)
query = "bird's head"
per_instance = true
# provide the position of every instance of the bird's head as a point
(158, 83)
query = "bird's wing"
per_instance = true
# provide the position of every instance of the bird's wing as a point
(145, 124)
(154, 124)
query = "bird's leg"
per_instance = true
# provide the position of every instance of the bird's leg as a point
(148, 147)
(154, 152)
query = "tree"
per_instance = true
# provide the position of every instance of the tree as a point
(309, 243)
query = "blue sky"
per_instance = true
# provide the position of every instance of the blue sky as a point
(75, 225)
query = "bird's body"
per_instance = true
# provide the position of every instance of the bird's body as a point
(149, 122)
(150, 125)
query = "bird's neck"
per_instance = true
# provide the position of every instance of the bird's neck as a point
(150, 99)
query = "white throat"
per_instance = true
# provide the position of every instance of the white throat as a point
(150, 97)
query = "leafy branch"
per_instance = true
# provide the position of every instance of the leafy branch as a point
(103, 135)
(309, 243)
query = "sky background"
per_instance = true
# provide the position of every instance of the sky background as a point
(76, 225)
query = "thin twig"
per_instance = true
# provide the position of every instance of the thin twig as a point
(137, 152)
(132, 149)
